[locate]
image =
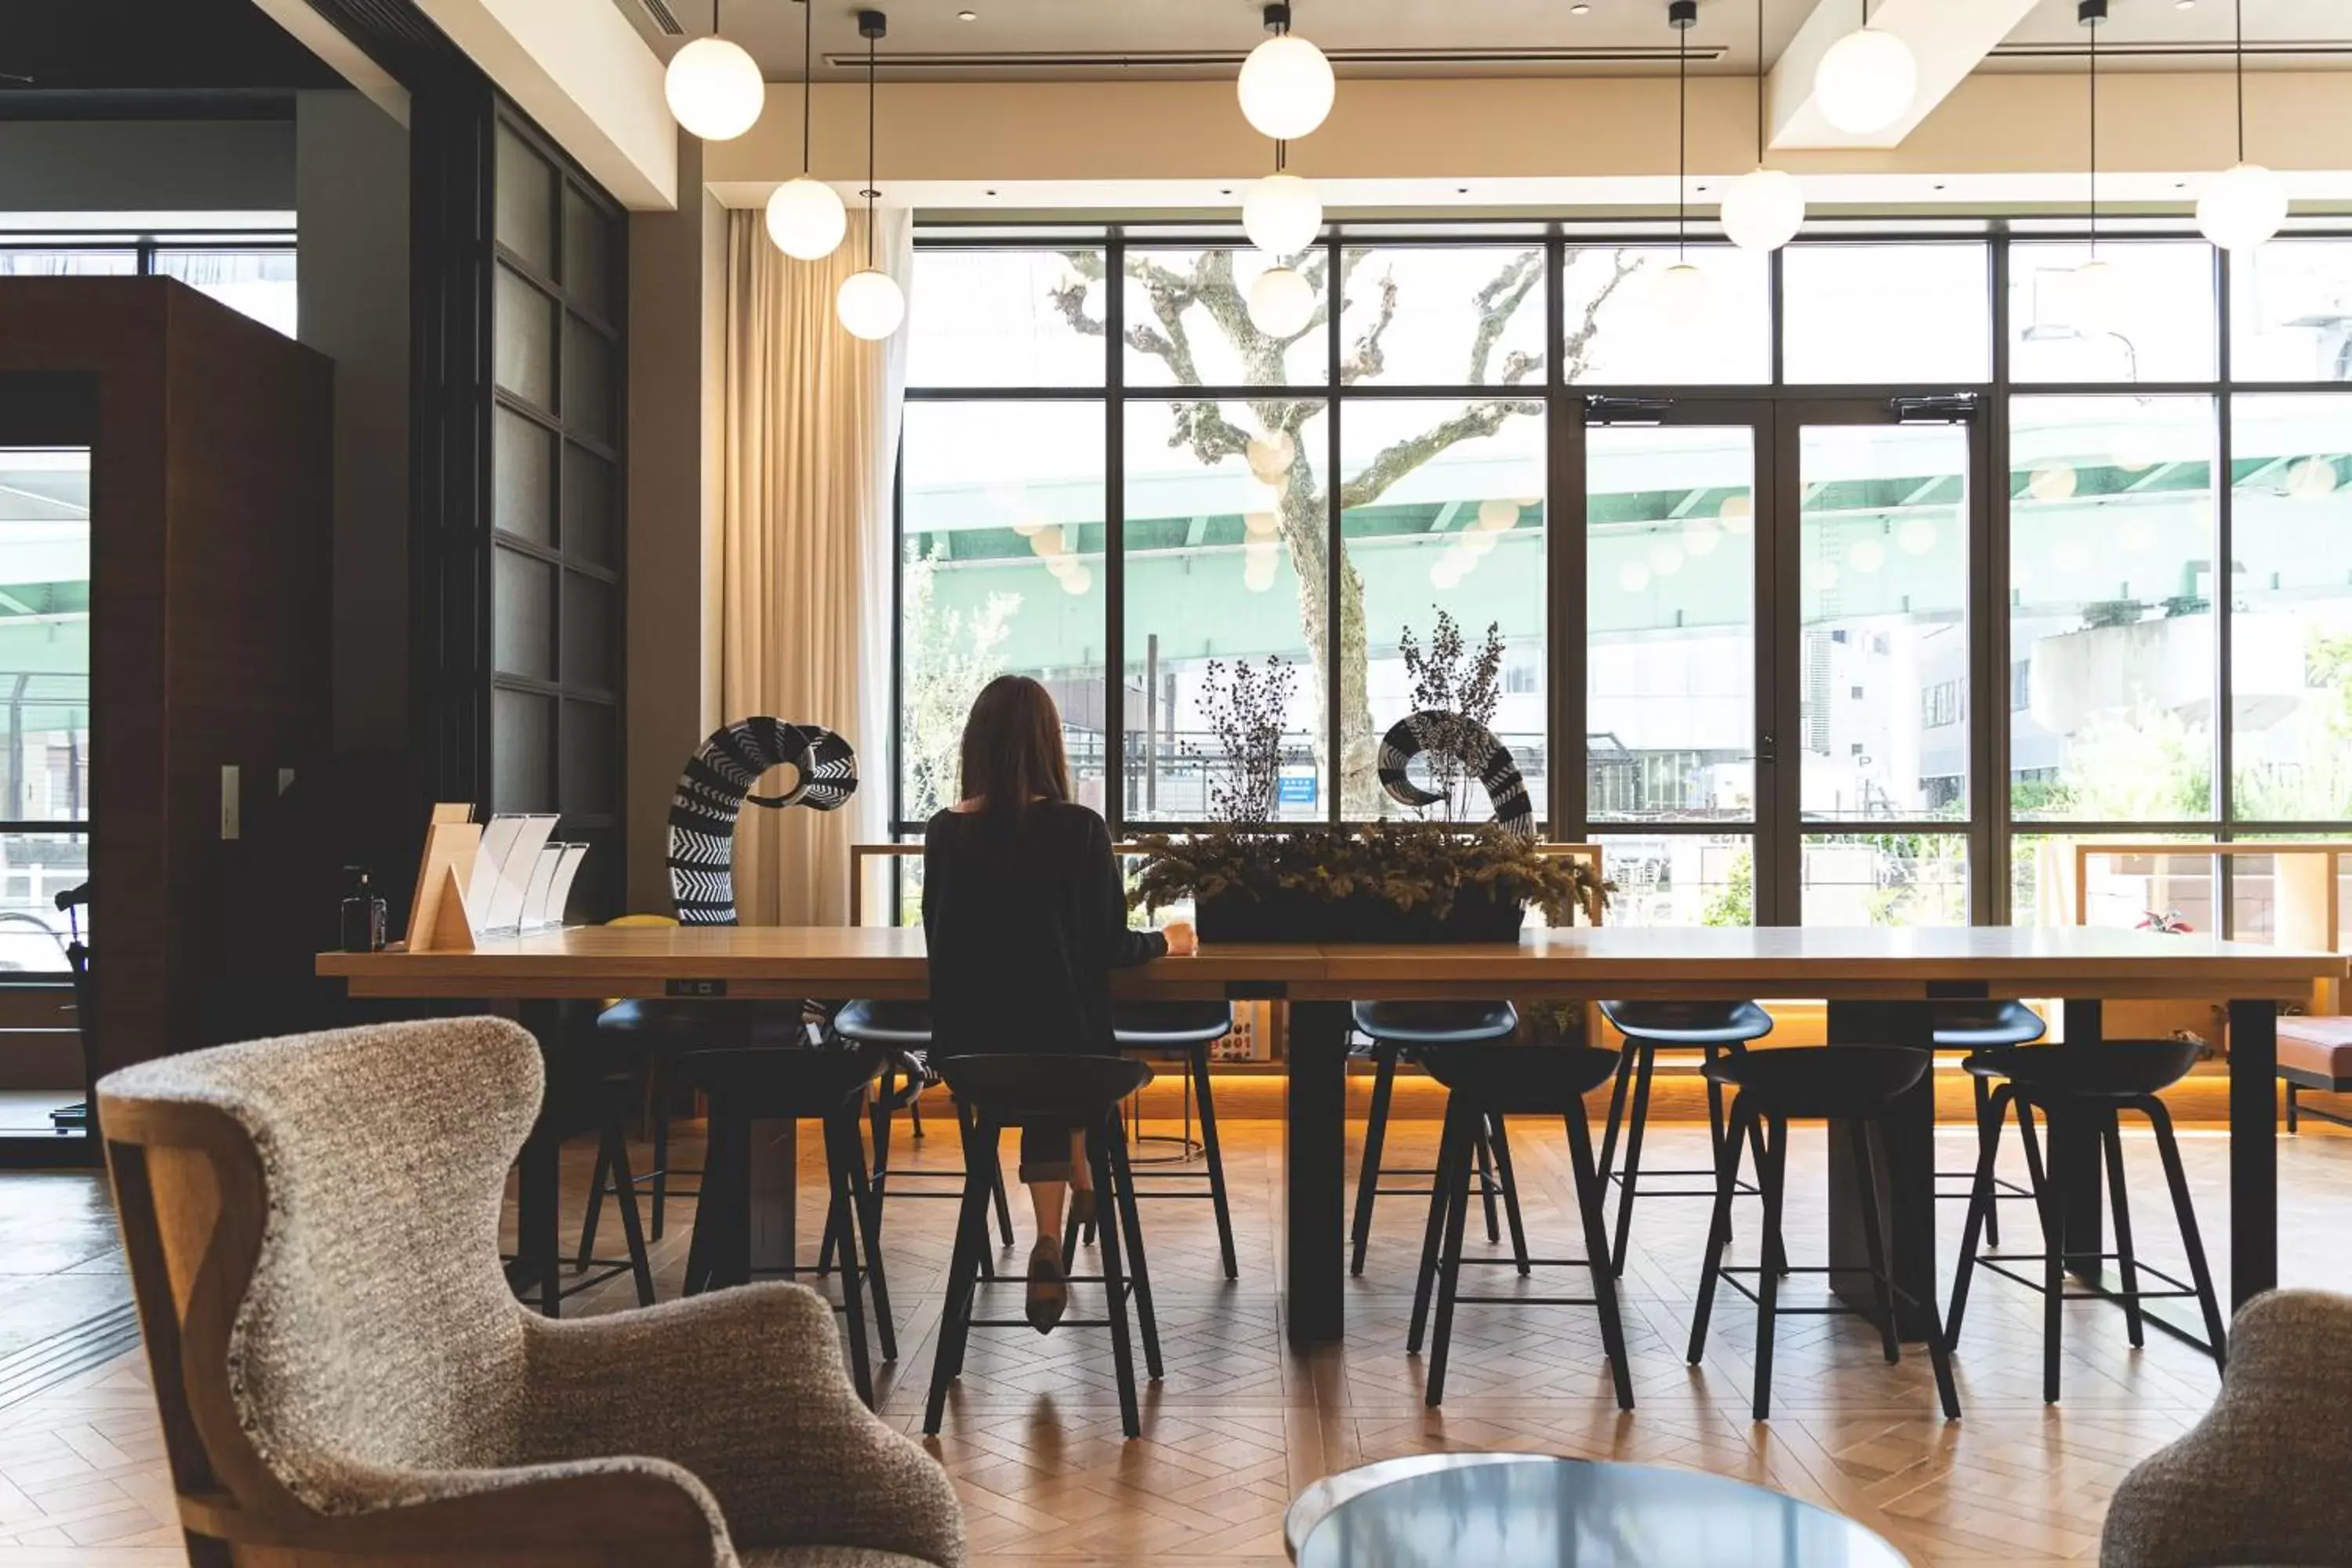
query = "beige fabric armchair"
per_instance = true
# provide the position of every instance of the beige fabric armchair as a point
(342, 1374)
(2262, 1478)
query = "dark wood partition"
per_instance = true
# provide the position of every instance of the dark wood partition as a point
(211, 457)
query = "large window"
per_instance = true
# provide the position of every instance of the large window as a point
(1849, 590)
(250, 273)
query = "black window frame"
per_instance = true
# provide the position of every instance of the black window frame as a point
(1991, 825)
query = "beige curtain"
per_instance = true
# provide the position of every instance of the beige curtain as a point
(809, 425)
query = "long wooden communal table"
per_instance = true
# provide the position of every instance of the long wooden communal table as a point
(1880, 985)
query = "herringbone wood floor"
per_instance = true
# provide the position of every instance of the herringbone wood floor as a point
(1239, 1425)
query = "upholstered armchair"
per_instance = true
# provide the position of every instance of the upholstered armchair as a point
(342, 1372)
(2261, 1479)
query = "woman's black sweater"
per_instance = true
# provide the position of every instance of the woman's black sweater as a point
(1025, 921)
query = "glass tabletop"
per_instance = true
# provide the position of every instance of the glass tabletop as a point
(1531, 1512)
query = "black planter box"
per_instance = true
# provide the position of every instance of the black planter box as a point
(1478, 915)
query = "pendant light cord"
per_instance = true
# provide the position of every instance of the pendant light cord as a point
(2096, 19)
(808, 66)
(2240, 54)
(1682, 136)
(1759, 83)
(870, 191)
(1281, 144)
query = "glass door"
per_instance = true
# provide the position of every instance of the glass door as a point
(1779, 659)
(1678, 776)
(1876, 524)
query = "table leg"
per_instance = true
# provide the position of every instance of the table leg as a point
(2253, 1150)
(2075, 1153)
(775, 1161)
(1314, 1164)
(537, 1171)
(1906, 1165)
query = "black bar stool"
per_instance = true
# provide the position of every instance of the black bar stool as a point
(1854, 1084)
(590, 1094)
(902, 1030)
(1714, 1027)
(1186, 1030)
(1400, 1031)
(1010, 1091)
(1485, 1085)
(751, 1084)
(1986, 1029)
(645, 1037)
(2080, 1089)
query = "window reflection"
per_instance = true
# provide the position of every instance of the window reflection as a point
(2111, 607)
(1001, 572)
(1670, 674)
(1882, 707)
(2291, 311)
(2291, 607)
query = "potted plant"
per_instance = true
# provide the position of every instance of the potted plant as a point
(1396, 881)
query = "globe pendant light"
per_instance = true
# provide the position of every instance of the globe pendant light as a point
(1763, 208)
(870, 303)
(1682, 289)
(1282, 213)
(2246, 203)
(1285, 84)
(805, 218)
(1866, 80)
(1281, 302)
(715, 89)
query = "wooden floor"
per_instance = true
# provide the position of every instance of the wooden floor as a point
(1240, 1425)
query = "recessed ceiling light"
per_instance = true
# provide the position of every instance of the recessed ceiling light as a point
(967, 15)
(1940, 184)
(991, 193)
(2184, 5)
(1579, 9)
(1461, 190)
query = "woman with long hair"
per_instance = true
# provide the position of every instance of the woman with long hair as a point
(1024, 918)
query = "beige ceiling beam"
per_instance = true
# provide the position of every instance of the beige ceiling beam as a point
(1437, 135)
(578, 69)
(1949, 38)
(337, 51)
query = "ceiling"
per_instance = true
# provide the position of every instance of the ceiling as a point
(1168, 39)
(82, 49)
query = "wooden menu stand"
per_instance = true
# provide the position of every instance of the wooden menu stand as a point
(438, 920)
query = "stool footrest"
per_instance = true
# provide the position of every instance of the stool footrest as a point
(1025, 1323)
(2002, 1187)
(2180, 1288)
(1527, 1300)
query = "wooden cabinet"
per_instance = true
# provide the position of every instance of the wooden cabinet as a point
(211, 533)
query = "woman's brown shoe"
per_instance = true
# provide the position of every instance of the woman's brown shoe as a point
(1049, 1287)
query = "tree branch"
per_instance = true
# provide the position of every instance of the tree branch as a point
(1473, 423)
(1497, 302)
(1366, 358)
(1577, 357)
(1071, 298)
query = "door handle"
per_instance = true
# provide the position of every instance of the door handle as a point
(1768, 750)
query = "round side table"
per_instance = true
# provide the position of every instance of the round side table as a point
(1521, 1511)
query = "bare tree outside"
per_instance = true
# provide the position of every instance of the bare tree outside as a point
(1187, 294)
